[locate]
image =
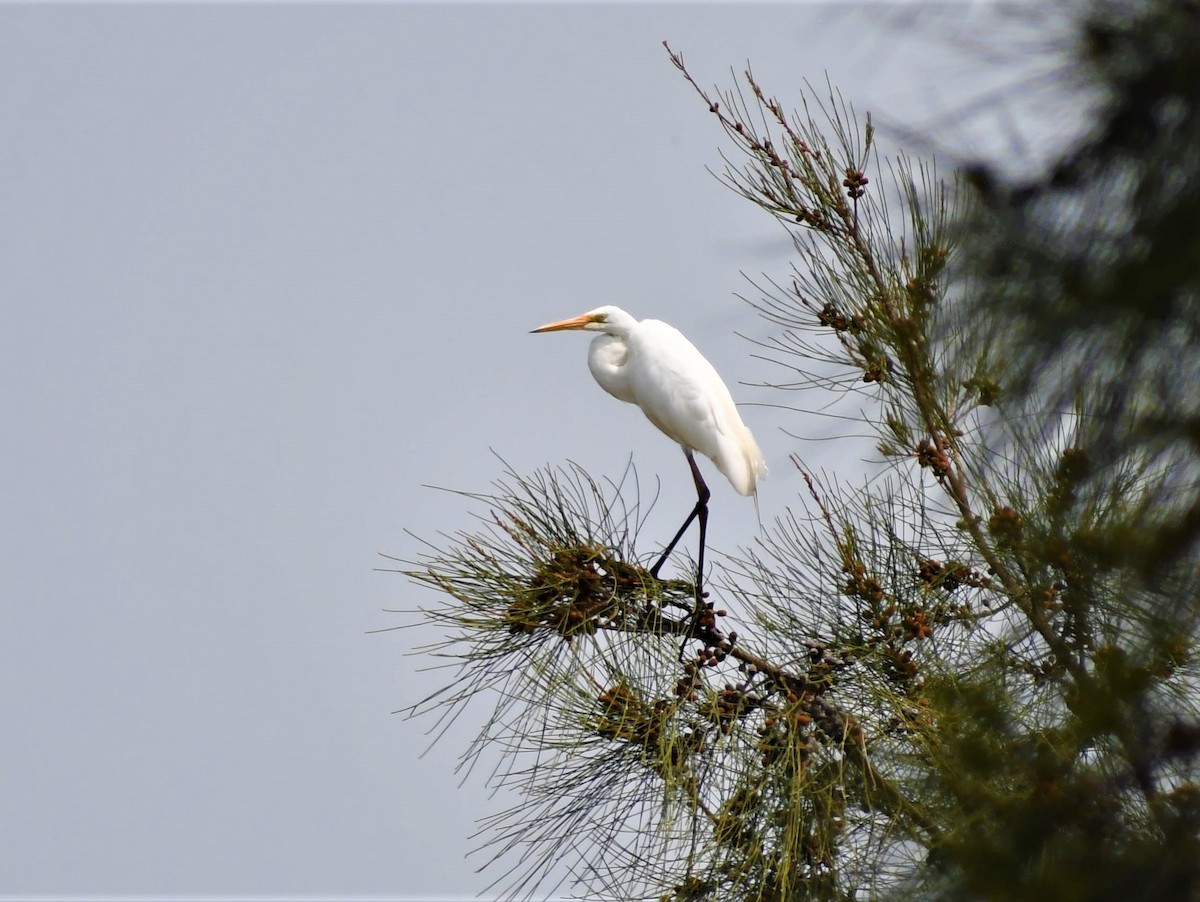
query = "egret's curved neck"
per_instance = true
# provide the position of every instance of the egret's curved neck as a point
(607, 357)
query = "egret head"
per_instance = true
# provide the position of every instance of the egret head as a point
(603, 319)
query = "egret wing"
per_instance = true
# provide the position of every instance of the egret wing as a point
(683, 395)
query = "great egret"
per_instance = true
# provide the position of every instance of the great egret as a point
(651, 364)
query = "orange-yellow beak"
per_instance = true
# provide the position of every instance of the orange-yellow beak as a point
(577, 322)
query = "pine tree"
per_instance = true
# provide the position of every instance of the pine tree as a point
(973, 676)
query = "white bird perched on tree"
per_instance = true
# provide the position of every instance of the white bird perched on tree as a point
(651, 364)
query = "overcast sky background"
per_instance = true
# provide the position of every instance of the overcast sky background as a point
(267, 271)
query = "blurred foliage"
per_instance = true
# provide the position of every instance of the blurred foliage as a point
(973, 677)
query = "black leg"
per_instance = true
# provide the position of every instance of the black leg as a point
(700, 557)
(702, 495)
(662, 558)
(701, 511)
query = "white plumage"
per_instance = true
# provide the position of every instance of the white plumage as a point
(652, 365)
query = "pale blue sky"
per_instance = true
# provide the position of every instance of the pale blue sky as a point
(267, 270)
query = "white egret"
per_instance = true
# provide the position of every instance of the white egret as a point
(652, 365)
